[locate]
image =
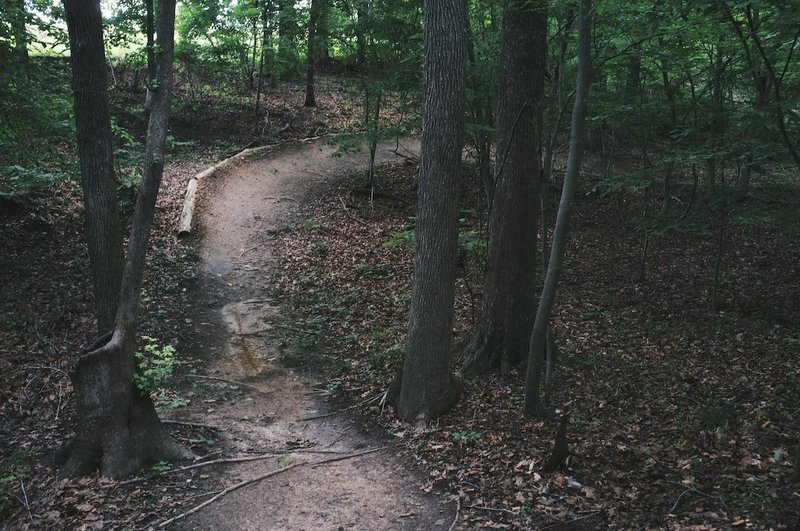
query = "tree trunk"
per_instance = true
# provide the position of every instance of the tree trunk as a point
(149, 25)
(426, 387)
(93, 128)
(18, 22)
(262, 61)
(118, 430)
(311, 52)
(538, 340)
(501, 336)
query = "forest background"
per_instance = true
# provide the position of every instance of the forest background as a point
(677, 320)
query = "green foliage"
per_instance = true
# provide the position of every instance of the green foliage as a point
(373, 272)
(155, 365)
(379, 358)
(313, 225)
(318, 248)
(473, 244)
(161, 467)
(16, 180)
(36, 112)
(466, 438)
(402, 238)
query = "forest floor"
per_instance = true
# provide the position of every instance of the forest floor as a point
(290, 303)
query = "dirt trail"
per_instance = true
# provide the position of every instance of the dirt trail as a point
(239, 328)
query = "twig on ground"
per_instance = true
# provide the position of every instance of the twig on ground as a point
(701, 493)
(339, 438)
(222, 493)
(491, 509)
(348, 408)
(189, 424)
(253, 248)
(225, 380)
(351, 216)
(344, 457)
(25, 497)
(458, 513)
(262, 477)
(34, 368)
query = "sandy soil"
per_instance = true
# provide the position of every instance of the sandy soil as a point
(238, 327)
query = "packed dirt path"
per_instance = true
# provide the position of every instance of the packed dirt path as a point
(239, 327)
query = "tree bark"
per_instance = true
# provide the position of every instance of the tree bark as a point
(501, 336)
(426, 387)
(538, 339)
(118, 430)
(93, 128)
(311, 52)
(18, 21)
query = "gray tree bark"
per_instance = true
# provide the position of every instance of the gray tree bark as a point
(538, 339)
(314, 16)
(500, 338)
(426, 387)
(117, 428)
(93, 127)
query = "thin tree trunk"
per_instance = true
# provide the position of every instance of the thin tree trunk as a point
(426, 387)
(538, 340)
(118, 430)
(92, 124)
(500, 338)
(773, 77)
(150, 52)
(19, 20)
(311, 52)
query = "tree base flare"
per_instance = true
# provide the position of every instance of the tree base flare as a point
(117, 429)
(485, 353)
(415, 407)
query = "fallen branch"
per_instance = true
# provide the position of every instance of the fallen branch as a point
(491, 509)
(185, 223)
(348, 408)
(189, 424)
(226, 491)
(262, 477)
(701, 493)
(458, 511)
(348, 456)
(351, 216)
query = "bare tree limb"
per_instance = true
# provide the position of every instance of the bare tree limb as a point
(263, 477)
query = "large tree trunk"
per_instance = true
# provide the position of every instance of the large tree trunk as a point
(93, 127)
(538, 341)
(118, 430)
(426, 387)
(501, 336)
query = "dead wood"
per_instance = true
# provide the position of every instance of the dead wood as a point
(266, 476)
(350, 215)
(560, 448)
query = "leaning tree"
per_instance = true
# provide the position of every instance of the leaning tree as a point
(117, 427)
